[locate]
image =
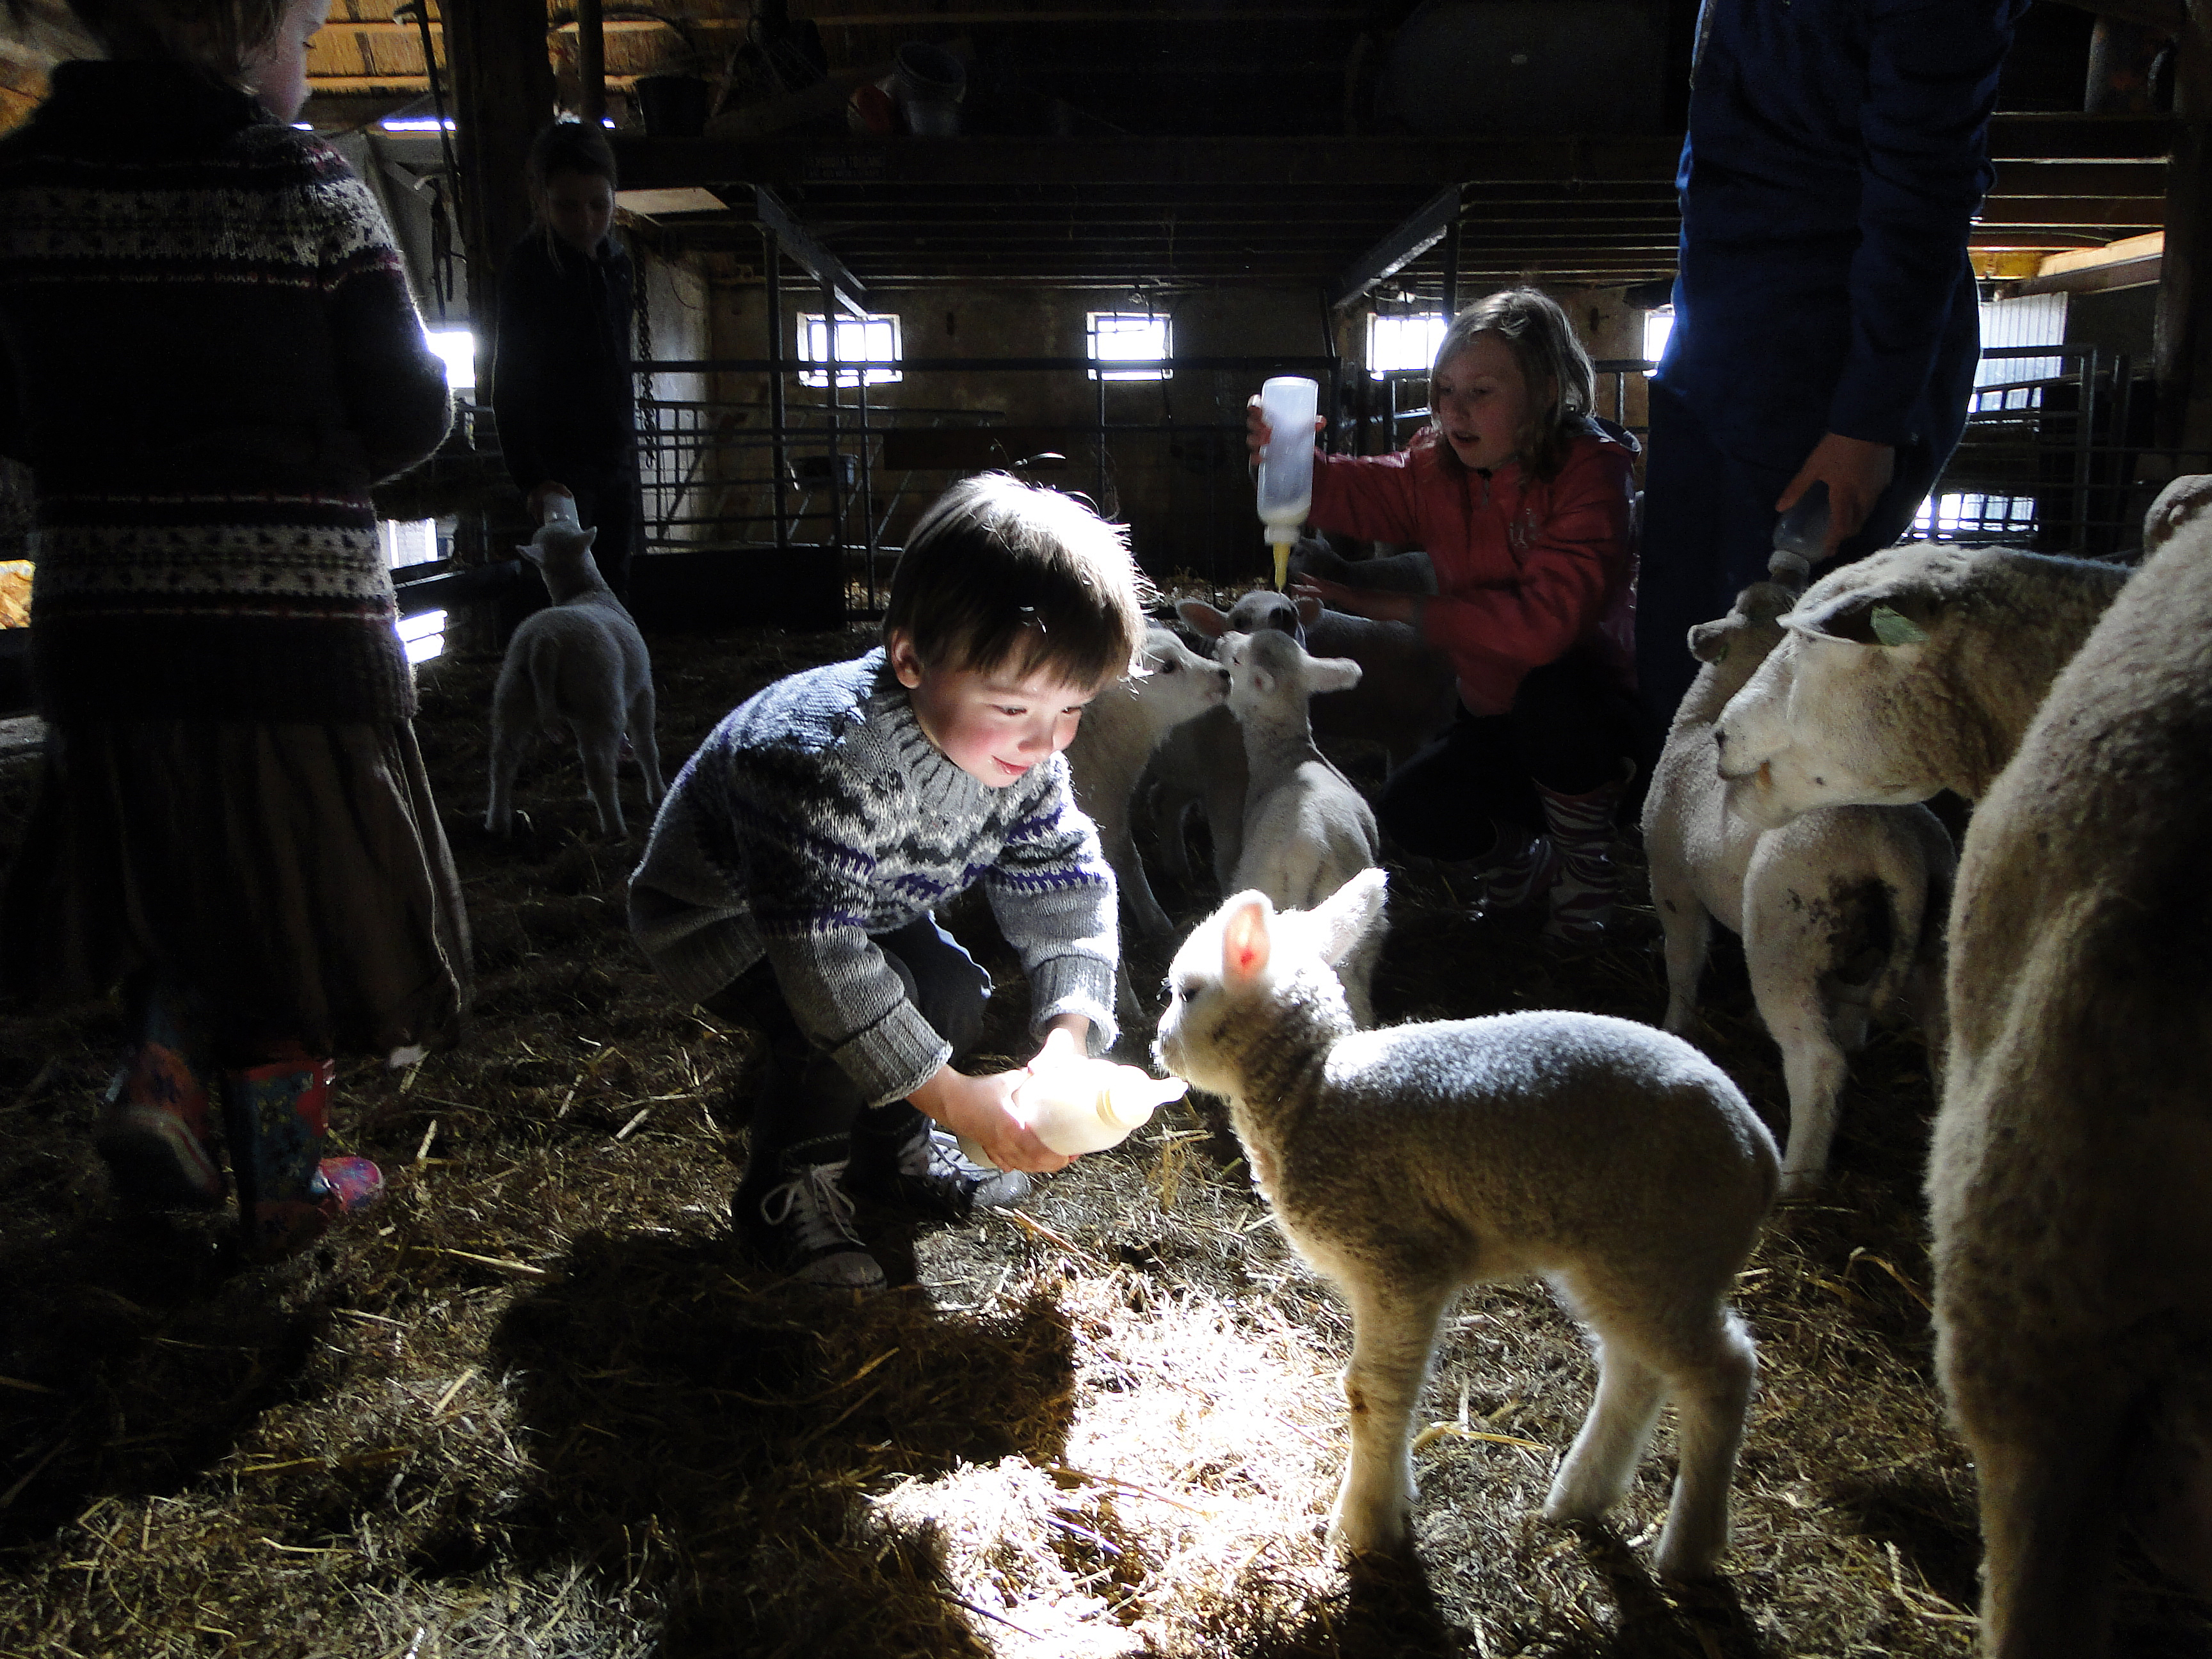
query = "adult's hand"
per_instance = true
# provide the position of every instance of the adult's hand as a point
(1856, 472)
(1375, 603)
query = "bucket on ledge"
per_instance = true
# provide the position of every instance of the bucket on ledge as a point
(928, 85)
(673, 105)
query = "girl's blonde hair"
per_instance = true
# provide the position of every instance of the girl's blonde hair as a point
(1561, 384)
(216, 36)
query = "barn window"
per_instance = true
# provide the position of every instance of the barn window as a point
(458, 348)
(1658, 326)
(857, 340)
(1121, 336)
(423, 634)
(1403, 345)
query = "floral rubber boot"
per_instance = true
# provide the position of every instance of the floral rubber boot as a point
(156, 1133)
(289, 1194)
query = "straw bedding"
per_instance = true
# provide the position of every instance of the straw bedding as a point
(542, 1405)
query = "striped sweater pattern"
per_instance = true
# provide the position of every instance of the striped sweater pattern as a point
(818, 814)
(208, 352)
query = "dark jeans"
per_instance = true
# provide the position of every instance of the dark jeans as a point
(1569, 726)
(806, 1101)
(1708, 529)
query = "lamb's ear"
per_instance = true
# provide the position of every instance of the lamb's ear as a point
(530, 553)
(590, 537)
(1348, 914)
(1709, 641)
(1246, 938)
(1203, 616)
(1332, 673)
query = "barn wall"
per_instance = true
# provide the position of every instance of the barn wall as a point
(1174, 466)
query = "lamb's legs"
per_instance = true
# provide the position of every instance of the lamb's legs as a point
(598, 746)
(641, 712)
(1597, 1470)
(1815, 1068)
(1688, 929)
(1393, 1330)
(1710, 1403)
(1655, 1341)
(510, 741)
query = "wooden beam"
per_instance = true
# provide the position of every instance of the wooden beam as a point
(1422, 230)
(502, 93)
(591, 61)
(792, 240)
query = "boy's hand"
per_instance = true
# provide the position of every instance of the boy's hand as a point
(982, 1110)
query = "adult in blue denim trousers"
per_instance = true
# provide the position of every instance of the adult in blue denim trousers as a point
(1825, 320)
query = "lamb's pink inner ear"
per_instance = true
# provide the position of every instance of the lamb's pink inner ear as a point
(1244, 943)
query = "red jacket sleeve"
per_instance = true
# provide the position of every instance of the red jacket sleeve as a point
(1568, 546)
(1372, 496)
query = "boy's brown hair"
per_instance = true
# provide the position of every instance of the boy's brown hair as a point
(1000, 574)
(1562, 385)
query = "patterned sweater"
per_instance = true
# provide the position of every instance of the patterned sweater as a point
(208, 352)
(818, 814)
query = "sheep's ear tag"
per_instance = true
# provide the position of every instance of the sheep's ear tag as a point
(1895, 628)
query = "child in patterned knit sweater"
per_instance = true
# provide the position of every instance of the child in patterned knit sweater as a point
(794, 867)
(207, 354)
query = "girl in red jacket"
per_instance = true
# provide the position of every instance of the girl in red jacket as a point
(1524, 506)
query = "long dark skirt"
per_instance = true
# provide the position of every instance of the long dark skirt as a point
(289, 882)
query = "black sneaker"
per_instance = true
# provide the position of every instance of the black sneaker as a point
(803, 1226)
(927, 1175)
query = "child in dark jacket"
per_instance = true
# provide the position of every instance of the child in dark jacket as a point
(561, 385)
(208, 352)
(793, 868)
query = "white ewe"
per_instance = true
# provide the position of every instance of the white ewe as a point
(1615, 1162)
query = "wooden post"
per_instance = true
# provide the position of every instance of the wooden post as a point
(591, 61)
(2184, 286)
(501, 94)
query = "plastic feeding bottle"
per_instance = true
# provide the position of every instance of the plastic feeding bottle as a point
(1288, 404)
(1075, 1104)
(561, 512)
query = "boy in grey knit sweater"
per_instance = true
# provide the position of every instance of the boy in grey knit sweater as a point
(791, 872)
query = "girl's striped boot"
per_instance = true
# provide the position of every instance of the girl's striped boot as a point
(1582, 829)
(278, 1117)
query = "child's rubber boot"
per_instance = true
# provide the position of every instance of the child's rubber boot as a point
(156, 1134)
(1582, 829)
(289, 1194)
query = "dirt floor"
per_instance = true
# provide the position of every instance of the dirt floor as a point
(540, 1405)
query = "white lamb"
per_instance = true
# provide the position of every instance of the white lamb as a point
(1120, 730)
(1307, 830)
(1405, 694)
(1840, 910)
(580, 662)
(1614, 1161)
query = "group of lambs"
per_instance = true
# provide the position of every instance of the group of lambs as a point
(2070, 1185)
(2070, 1179)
